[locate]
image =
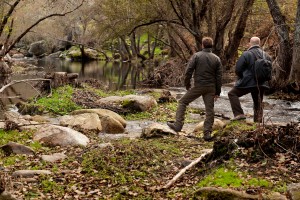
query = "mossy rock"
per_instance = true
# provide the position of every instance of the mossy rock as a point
(29, 109)
(211, 193)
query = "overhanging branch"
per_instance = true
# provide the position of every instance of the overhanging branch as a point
(37, 22)
(154, 22)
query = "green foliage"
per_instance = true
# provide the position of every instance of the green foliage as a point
(60, 102)
(222, 178)
(280, 187)
(12, 160)
(15, 136)
(32, 194)
(49, 185)
(103, 93)
(259, 182)
(138, 116)
(238, 127)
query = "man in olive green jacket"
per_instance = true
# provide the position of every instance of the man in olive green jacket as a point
(206, 68)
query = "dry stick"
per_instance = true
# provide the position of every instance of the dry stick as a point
(182, 171)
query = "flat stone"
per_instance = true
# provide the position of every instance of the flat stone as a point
(54, 157)
(157, 130)
(30, 173)
(16, 148)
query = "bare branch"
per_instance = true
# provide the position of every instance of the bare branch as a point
(154, 22)
(7, 16)
(37, 22)
(170, 183)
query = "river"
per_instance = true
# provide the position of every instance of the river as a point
(117, 75)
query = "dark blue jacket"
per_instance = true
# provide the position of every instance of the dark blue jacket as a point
(243, 68)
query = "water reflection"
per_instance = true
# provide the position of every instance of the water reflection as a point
(117, 75)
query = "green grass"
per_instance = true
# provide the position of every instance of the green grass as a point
(11, 160)
(49, 185)
(60, 102)
(132, 162)
(222, 178)
(103, 94)
(238, 127)
(18, 137)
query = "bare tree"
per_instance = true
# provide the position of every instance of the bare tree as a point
(295, 72)
(236, 36)
(7, 23)
(284, 55)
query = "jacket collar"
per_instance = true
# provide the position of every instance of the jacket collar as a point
(254, 47)
(207, 49)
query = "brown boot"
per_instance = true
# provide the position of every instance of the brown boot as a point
(174, 126)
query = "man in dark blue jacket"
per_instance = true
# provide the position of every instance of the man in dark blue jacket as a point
(206, 68)
(247, 83)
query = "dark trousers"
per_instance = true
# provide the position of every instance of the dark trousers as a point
(257, 96)
(208, 94)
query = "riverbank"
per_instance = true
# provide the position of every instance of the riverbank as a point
(114, 166)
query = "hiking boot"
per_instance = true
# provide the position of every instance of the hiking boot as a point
(239, 117)
(207, 136)
(174, 126)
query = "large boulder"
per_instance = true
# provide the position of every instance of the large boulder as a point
(135, 103)
(86, 122)
(39, 48)
(111, 122)
(74, 53)
(218, 124)
(52, 135)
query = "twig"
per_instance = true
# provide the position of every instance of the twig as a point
(182, 171)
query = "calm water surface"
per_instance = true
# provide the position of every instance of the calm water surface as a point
(117, 75)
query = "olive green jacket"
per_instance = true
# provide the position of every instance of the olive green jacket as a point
(206, 68)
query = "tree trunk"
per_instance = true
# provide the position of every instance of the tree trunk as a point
(125, 49)
(235, 39)
(284, 57)
(133, 44)
(83, 56)
(221, 27)
(135, 47)
(295, 73)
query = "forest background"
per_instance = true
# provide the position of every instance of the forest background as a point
(142, 29)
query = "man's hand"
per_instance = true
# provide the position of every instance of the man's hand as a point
(216, 97)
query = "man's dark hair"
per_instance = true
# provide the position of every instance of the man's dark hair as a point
(207, 42)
